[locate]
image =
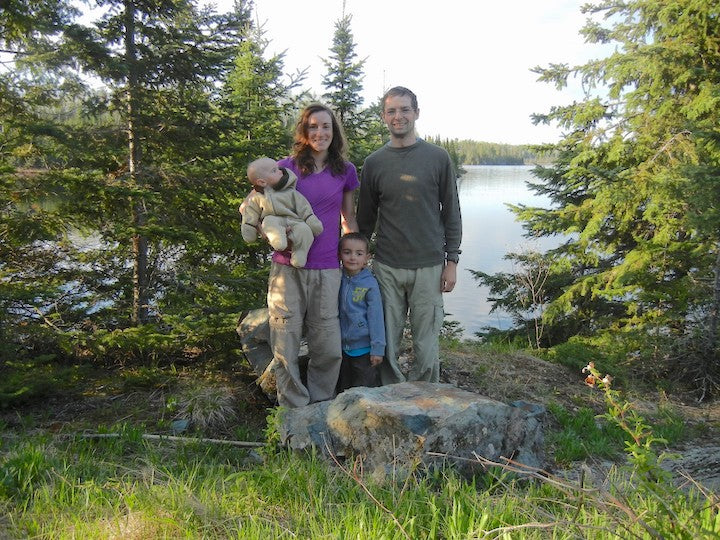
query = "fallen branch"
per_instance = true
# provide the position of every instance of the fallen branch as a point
(171, 438)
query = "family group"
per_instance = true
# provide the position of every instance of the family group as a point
(320, 283)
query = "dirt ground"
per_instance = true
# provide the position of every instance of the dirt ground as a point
(521, 376)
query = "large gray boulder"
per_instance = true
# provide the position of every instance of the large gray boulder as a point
(254, 331)
(397, 427)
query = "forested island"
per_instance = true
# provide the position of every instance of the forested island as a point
(488, 153)
(469, 152)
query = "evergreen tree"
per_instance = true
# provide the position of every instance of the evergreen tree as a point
(141, 172)
(343, 82)
(163, 69)
(451, 145)
(635, 184)
(29, 269)
(259, 104)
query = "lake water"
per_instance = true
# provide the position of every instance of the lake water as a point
(489, 232)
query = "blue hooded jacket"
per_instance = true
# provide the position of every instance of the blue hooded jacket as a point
(362, 324)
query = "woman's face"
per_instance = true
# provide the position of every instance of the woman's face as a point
(319, 131)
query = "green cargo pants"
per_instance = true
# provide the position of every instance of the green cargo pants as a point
(304, 299)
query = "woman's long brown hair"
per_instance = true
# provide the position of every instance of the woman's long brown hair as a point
(302, 151)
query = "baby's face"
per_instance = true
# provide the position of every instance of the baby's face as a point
(271, 173)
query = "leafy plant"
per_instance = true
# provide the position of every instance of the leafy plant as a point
(641, 437)
(451, 332)
(272, 431)
(652, 480)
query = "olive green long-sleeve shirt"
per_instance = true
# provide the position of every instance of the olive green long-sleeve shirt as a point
(408, 197)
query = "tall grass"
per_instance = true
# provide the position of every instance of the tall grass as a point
(128, 487)
(58, 486)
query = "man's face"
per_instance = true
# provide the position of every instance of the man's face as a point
(399, 116)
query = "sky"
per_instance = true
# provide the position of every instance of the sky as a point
(468, 61)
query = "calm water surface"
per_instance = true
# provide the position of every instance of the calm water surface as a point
(489, 231)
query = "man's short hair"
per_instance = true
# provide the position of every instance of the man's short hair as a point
(400, 91)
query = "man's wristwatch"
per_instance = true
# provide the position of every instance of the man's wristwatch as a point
(452, 257)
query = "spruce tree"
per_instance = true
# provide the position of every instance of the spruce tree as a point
(122, 182)
(635, 185)
(343, 82)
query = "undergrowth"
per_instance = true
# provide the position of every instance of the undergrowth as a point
(66, 485)
(128, 487)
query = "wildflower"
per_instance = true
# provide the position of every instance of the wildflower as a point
(606, 380)
(590, 380)
(589, 368)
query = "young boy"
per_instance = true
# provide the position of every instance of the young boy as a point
(273, 206)
(362, 326)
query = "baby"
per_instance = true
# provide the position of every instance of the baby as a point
(275, 208)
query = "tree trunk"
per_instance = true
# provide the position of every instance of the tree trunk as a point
(715, 309)
(139, 213)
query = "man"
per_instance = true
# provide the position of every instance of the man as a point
(408, 197)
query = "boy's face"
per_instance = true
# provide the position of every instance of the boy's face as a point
(353, 255)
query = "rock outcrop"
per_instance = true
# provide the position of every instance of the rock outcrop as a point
(396, 428)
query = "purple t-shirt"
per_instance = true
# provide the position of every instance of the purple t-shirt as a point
(325, 194)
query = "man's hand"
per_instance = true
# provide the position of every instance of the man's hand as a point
(449, 277)
(375, 360)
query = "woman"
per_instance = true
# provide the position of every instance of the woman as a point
(307, 298)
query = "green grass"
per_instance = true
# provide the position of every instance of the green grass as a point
(25, 380)
(128, 487)
(583, 434)
(61, 485)
(479, 347)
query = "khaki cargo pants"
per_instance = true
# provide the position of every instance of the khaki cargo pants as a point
(417, 292)
(302, 298)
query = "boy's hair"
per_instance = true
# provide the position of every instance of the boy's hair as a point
(354, 236)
